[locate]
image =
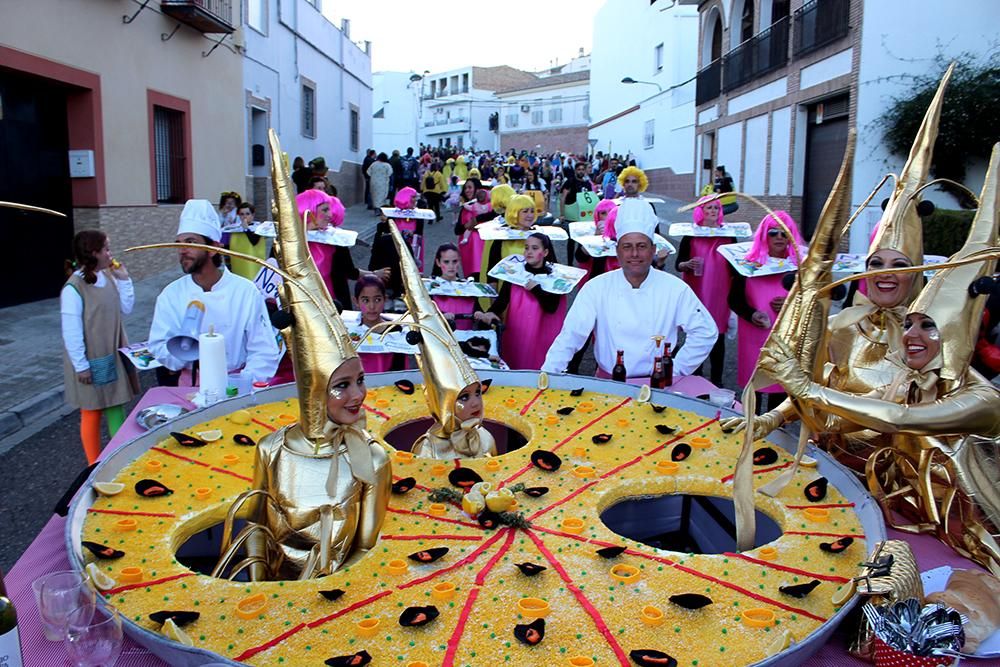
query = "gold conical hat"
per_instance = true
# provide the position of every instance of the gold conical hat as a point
(946, 297)
(317, 340)
(901, 228)
(445, 368)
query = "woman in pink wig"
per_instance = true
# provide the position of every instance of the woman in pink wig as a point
(707, 272)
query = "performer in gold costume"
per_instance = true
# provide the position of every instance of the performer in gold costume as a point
(940, 468)
(321, 486)
(860, 338)
(452, 389)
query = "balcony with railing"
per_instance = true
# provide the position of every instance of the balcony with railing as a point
(209, 16)
(819, 22)
(708, 83)
(764, 52)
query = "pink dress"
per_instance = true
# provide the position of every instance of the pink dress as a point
(759, 292)
(322, 254)
(376, 362)
(459, 305)
(408, 229)
(712, 286)
(529, 330)
(470, 246)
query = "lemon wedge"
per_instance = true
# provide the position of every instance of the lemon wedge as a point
(242, 417)
(101, 581)
(645, 393)
(210, 436)
(108, 488)
(808, 462)
(171, 631)
(543, 380)
(841, 596)
(780, 643)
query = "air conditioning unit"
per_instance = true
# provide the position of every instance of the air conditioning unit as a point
(525, 108)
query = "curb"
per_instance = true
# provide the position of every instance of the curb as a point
(30, 411)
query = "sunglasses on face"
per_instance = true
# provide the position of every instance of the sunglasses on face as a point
(776, 233)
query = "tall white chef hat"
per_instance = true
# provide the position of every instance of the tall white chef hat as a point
(199, 217)
(636, 215)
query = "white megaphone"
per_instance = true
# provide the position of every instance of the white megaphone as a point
(184, 345)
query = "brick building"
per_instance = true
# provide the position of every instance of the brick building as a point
(548, 114)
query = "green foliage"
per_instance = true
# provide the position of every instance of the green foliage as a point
(945, 231)
(970, 118)
(445, 495)
(515, 520)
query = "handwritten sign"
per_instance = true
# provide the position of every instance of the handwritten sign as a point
(562, 280)
(268, 281)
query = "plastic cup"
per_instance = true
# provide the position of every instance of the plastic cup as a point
(698, 269)
(722, 397)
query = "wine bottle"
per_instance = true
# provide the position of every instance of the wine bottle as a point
(618, 373)
(668, 367)
(10, 644)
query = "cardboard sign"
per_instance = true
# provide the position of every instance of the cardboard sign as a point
(411, 213)
(735, 254)
(265, 228)
(852, 263)
(540, 200)
(497, 230)
(596, 245)
(737, 230)
(344, 238)
(440, 287)
(140, 356)
(583, 207)
(268, 281)
(562, 280)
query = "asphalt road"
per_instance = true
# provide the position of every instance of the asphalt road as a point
(37, 471)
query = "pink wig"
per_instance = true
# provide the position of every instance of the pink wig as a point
(337, 212)
(311, 200)
(758, 249)
(609, 225)
(404, 197)
(604, 205)
(698, 213)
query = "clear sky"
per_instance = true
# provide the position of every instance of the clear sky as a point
(437, 35)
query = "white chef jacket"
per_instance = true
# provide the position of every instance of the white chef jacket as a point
(626, 318)
(234, 308)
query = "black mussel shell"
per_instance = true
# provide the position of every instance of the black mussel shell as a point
(565, 411)
(546, 460)
(484, 385)
(576, 392)
(815, 491)
(530, 569)
(405, 386)
(428, 555)
(703, 397)
(402, 486)
(103, 552)
(680, 452)
(244, 440)
(188, 440)
(601, 438)
(647, 657)
(181, 618)
(414, 617)
(354, 660)
(764, 456)
(611, 552)
(536, 491)
(666, 430)
(799, 590)
(464, 478)
(829, 547)
(658, 408)
(332, 595)
(691, 600)
(150, 488)
(537, 629)
(488, 520)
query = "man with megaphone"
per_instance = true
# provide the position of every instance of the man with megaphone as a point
(209, 298)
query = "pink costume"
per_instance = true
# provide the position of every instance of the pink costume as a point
(376, 362)
(712, 286)
(602, 266)
(758, 293)
(309, 202)
(459, 305)
(529, 330)
(410, 228)
(611, 263)
(470, 244)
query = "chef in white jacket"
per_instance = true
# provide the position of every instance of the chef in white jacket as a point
(625, 308)
(233, 306)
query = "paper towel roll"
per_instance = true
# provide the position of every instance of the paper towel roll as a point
(213, 376)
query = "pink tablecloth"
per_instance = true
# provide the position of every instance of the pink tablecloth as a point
(48, 554)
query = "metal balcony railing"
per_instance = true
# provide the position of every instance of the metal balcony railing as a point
(708, 85)
(209, 16)
(818, 23)
(764, 52)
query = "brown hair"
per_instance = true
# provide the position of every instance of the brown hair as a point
(86, 244)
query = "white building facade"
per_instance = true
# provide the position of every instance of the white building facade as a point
(781, 82)
(548, 115)
(396, 111)
(653, 120)
(304, 76)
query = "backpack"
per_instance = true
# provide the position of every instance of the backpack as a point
(429, 181)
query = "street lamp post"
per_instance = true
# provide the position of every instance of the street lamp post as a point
(630, 80)
(415, 78)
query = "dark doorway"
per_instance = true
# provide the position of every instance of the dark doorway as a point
(826, 139)
(34, 169)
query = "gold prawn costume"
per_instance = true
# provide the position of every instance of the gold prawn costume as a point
(860, 338)
(320, 489)
(941, 468)
(446, 370)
